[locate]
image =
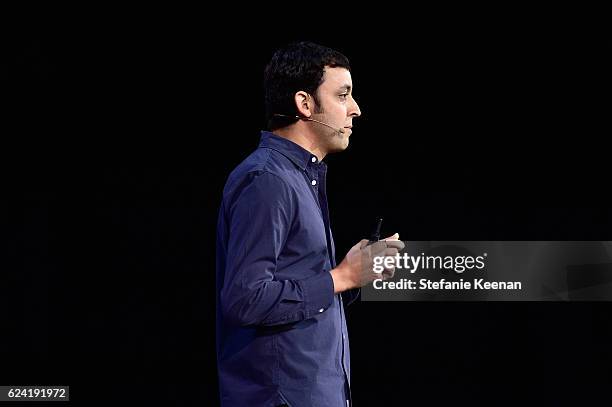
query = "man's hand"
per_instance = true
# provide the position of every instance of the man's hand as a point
(356, 270)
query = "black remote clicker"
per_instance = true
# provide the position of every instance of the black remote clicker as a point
(375, 237)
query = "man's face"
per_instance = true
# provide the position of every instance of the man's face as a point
(336, 108)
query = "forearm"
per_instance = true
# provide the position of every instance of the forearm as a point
(342, 278)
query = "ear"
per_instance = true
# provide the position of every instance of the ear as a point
(303, 103)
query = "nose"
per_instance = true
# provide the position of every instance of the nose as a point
(354, 110)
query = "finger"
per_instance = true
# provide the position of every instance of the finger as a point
(363, 243)
(391, 252)
(377, 248)
(387, 274)
(398, 244)
(393, 241)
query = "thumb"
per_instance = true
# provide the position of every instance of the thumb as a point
(392, 237)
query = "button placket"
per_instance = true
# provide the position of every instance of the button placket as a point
(312, 175)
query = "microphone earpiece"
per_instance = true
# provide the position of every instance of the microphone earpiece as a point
(340, 130)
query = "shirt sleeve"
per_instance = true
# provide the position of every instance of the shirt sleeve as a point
(259, 222)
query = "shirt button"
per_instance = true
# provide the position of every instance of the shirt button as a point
(314, 182)
(313, 159)
(322, 309)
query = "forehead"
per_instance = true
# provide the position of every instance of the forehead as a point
(336, 78)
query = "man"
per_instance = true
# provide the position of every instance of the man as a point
(281, 330)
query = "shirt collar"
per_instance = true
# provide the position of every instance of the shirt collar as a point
(297, 154)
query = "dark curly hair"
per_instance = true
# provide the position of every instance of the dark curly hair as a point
(297, 67)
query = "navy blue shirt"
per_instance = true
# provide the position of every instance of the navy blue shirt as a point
(281, 331)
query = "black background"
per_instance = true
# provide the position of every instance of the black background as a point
(120, 133)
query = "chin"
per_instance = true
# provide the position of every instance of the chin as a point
(340, 147)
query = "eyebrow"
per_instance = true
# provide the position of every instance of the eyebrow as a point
(345, 87)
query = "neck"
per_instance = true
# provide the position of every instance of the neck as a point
(302, 135)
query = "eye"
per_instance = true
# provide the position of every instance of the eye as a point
(343, 96)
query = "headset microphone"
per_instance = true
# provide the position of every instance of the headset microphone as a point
(340, 130)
